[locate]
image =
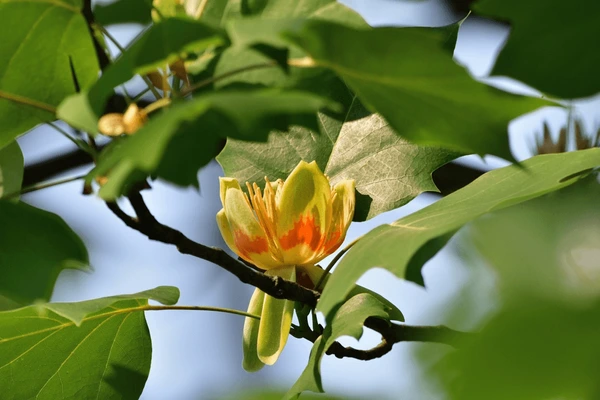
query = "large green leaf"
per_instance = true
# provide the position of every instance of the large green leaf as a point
(35, 246)
(387, 169)
(11, 169)
(540, 341)
(39, 42)
(409, 77)
(348, 321)
(554, 51)
(175, 144)
(163, 43)
(405, 245)
(92, 349)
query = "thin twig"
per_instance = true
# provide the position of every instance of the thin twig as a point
(147, 224)
(202, 308)
(79, 143)
(122, 49)
(154, 230)
(44, 185)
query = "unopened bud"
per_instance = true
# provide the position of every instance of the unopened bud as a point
(116, 124)
(134, 119)
(111, 124)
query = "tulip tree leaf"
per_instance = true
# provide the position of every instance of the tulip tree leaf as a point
(160, 45)
(175, 144)
(90, 349)
(11, 169)
(348, 321)
(40, 42)
(408, 76)
(554, 51)
(405, 245)
(337, 154)
(35, 246)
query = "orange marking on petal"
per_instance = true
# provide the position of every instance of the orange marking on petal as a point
(304, 231)
(247, 245)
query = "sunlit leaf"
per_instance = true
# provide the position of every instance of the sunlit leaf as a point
(86, 350)
(175, 144)
(554, 50)
(40, 41)
(11, 169)
(222, 11)
(348, 321)
(409, 77)
(35, 246)
(405, 245)
(337, 154)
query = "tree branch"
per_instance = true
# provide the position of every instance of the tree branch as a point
(391, 334)
(154, 230)
(277, 287)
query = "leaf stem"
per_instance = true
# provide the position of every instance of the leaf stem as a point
(333, 262)
(202, 308)
(27, 101)
(122, 50)
(79, 143)
(44, 185)
(157, 105)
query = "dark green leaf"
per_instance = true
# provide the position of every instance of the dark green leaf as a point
(11, 169)
(348, 321)
(175, 144)
(38, 42)
(403, 246)
(388, 170)
(124, 11)
(409, 77)
(84, 350)
(552, 44)
(35, 246)
(163, 43)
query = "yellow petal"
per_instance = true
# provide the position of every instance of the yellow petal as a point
(342, 212)
(304, 212)
(248, 236)
(275, 321)
(251, 362)
(227, 183)
(223, 224)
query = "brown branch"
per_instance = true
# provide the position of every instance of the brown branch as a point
(391, 334)
(280, 288)
(154, 230)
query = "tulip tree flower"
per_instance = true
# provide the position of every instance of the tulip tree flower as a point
(285, 231)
